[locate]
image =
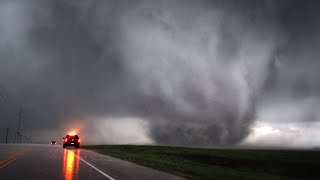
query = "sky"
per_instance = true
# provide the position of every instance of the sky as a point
(202, 73)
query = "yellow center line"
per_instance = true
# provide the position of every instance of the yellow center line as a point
(11, 159)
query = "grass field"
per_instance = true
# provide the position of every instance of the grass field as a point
(196, 163)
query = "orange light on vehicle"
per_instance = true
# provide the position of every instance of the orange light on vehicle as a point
(72, 133)
(78, 140)
(66, 139)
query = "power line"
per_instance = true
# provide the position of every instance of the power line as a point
(3, 94)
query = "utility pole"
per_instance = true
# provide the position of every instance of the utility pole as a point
(30, 136)
(7, 133)
(19, 135)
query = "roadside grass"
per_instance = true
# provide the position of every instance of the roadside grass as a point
(198, 163)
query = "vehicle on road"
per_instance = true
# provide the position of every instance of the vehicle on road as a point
(71, 140)
(53, 143)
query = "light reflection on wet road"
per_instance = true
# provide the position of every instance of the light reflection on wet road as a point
(70, 166)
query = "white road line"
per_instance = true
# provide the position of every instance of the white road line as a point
(95, 168)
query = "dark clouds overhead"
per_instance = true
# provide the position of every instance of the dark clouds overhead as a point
(194, 70)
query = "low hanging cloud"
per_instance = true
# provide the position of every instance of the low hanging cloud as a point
(283, 135)
(187, 72)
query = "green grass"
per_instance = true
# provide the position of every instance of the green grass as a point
(198, 163)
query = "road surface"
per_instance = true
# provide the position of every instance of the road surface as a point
(51, 162)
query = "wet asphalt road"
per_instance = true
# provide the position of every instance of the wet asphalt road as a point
(44, 162)
(51, 162)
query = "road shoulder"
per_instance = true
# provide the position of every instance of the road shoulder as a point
(121, 169)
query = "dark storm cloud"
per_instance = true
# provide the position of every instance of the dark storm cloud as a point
(295, 89)
(194, 70)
